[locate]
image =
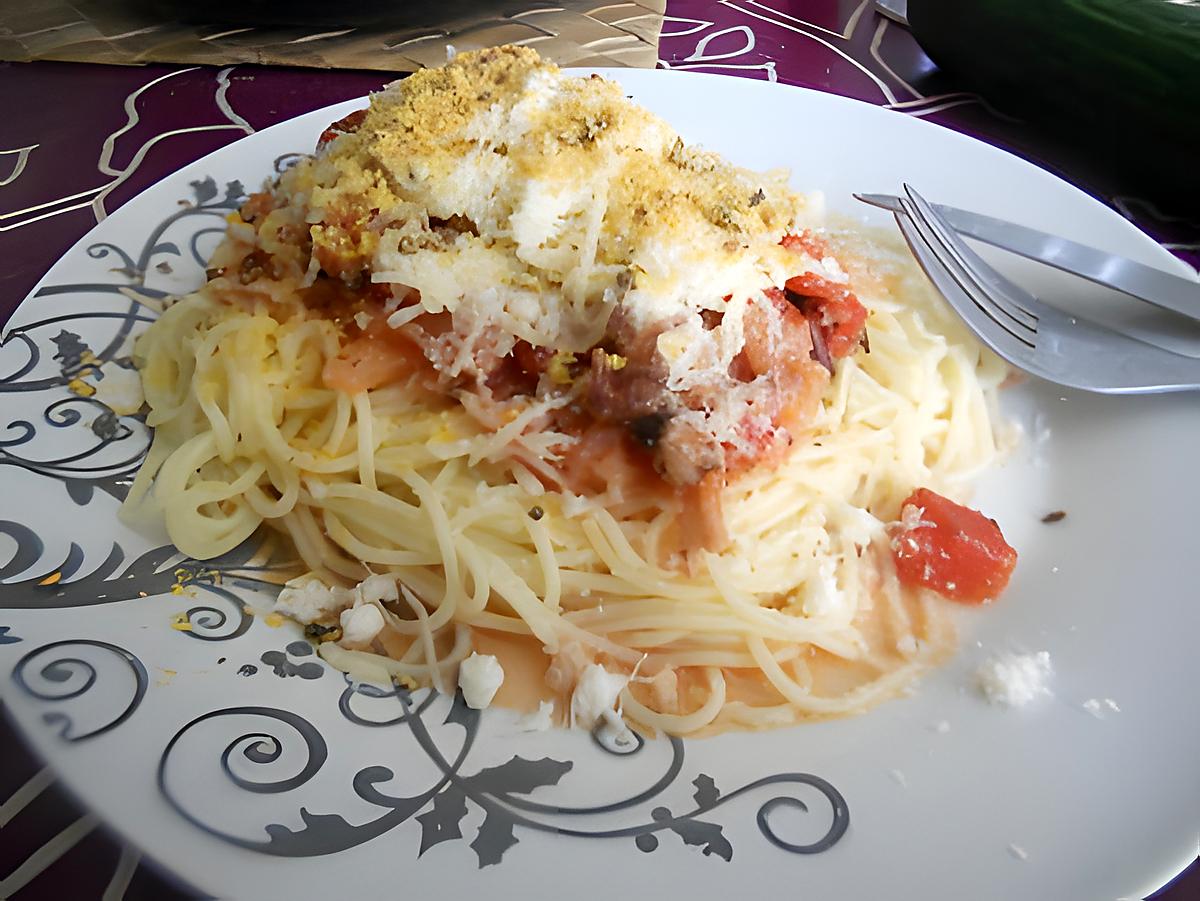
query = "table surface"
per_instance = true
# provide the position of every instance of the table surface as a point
(78, 140)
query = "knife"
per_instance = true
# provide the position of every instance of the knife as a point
(1171, 292)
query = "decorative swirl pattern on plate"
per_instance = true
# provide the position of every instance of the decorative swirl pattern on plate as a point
(499, 791)
(208, 622)
(269, 751)
(64, 678)
(58, 363)
(115, 579)
(274, 732)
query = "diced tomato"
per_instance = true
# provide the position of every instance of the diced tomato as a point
(760, 445)
(518, 373)
(379, 356)
(257, 204)
(507, 380)
(956, 551)
(341, 127)
(807, 242)
(605, 458)
(532, 360)
(339, 301)
(791, 346)
(834, 308)
(799, 380)
(740, 367)
(701, 522)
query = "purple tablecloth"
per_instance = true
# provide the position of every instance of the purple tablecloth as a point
(77, 141)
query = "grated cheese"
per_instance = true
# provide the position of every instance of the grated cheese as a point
(529, 204)
(823, 596)
(1014, 680)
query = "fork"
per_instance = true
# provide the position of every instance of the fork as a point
(1028, 333)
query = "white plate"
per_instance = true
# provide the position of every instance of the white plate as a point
(286, 782)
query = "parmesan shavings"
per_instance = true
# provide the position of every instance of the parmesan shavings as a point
(528, 204)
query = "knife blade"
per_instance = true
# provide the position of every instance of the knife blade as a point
(1171, 292)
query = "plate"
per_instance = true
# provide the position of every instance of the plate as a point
(209, 734)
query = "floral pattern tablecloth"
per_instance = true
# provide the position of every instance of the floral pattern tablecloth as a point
(78, 140)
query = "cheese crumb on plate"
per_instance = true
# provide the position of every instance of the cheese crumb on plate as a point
(1014, 680)
(596, 692)
(480, 677)
(539, 720)
(1096, 707)
(360, 625)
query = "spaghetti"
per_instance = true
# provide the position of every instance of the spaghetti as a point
(549, 449)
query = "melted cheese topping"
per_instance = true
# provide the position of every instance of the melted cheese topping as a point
(530, 203)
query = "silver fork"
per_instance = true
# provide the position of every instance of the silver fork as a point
(1030, 334)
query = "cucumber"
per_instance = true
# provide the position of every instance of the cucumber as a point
(1119, 78)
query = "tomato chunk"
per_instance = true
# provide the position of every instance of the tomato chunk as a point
(808, 243)
(834, 308)
(348, 125)
(379, 356)
(701, 523)
(956, 551)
